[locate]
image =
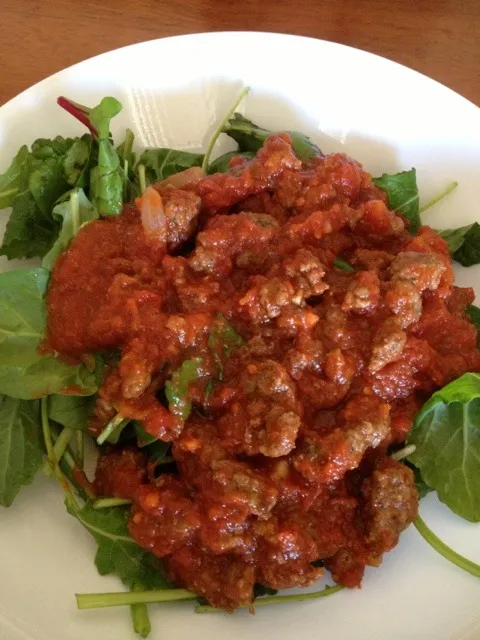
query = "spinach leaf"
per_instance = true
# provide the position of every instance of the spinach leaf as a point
(155, 449)
(402, 191)
(176, 389)
(343, 265)
(77, 160)
(464, 243)
(24, 372)
(21, 446)
(28, 233)
(48, 178)
(74, 213)
(70, 411)
(125, 148)
(117, 551)
(106, 180)
(222, 163)
(250, 137)
(473, 313)
(446, 434)
(33, 184)
(162, 163)
(106, 176)
(420, 484)
(223, 339)
(11, 180)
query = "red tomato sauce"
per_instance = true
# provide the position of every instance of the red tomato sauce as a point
(283, 460)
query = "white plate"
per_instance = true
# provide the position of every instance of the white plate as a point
(173, 92)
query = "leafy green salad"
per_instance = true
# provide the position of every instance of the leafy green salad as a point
(48, 192)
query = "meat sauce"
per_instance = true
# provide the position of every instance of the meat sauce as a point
(283, 459)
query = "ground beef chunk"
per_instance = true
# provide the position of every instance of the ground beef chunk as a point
(225, 581)
(391, 503)
(388, 344)
(364, 293)
(181, 211)
(163, 517)
(120, 472)
(364, 423)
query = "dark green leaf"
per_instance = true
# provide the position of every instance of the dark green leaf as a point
(473, 313)
(117, 551)
(343, 265)
(71, 411)
(72, 213)
(24, 372)
(422, 487)
(161, 163)
(259, 590)
(446, 434)
(402, 191)
(11, 181)
(125, 149)
(76, 161)
(251, 137)
(21, 446)
(154, 448)
(222, 163)
(464, 243)
(177, 388)
(28, 232)
(223, 339)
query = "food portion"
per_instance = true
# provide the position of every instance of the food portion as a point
(304, 375)
(268, 350)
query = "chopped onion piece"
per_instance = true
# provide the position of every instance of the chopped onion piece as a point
(153, 217)
(179, 180)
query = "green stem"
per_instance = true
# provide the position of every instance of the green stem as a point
(53, 461)
(124, 598)
(141, 178)
(140, 620)
(444, 550)
(165, 460)
(403, 453)
(218, 130)
(80, 437)
(106, 503)
(59, 448)
(75, 209)
(294, 597)
(433, 201)
(117, 422)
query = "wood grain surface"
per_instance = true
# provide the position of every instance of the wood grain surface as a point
(440, 38)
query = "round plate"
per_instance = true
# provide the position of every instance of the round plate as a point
(173, 93)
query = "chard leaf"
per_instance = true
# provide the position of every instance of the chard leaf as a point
(21, 446)
(250, 137)
(402, 191)
(24, 372)
(177, 388)
(162, 163)
(12, 179)
(117, 551)
(222, 163)
(72, 213)
(446, 434)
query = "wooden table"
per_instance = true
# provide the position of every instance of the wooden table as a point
(440, 38)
